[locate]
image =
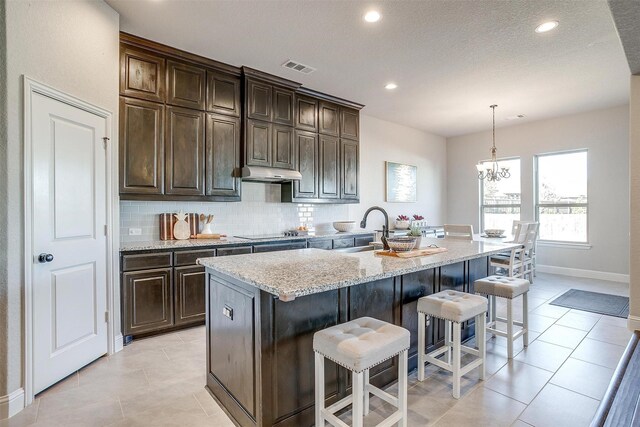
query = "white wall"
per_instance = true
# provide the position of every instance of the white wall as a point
(382, 141)
(72, 46)
(634, 167)
(604, 133)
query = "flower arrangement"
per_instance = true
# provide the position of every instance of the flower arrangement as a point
(402, 222)
(417, 217)
(402, 218)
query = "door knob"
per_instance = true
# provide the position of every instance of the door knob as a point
(45, 258)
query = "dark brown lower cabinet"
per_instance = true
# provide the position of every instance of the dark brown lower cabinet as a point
(148, 297)
(190, 301)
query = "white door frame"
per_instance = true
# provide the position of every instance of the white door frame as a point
(32, 87)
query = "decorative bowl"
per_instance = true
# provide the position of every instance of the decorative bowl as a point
(344, 226)
(494, 232)
(402, 244)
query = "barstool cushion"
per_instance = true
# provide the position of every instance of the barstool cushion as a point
(361, 343)
(501, 286)
(452, 305)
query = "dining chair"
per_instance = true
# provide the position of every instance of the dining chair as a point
(458, 232)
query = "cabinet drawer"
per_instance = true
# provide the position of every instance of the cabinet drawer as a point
(280, 247)
(190, 257)
(146, 261)
(364, 240)
(343, 243)
(320, 244)
(234, 251)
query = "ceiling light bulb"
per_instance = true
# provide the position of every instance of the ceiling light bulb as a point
(546, 26)
(390, 86)
(372, 16)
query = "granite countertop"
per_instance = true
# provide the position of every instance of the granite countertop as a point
(302, 272)
(197, 243)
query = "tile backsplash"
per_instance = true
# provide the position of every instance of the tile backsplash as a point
(259, 212)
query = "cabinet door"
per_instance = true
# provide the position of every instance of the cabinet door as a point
(223, 93)
(258, 144)
(306, 154)
(184, 152)
(283, 147)
(186, 85)
(142, 74)
(306, 113)
(223, 156)
(148, 300)
(189, 294)
(141, 147)
(349, 123)
(329, 119)
(329, 176)
(349, 168)
(259, 98)
(283, 106)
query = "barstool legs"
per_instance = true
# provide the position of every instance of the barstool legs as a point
(357, 388)
(402, 387)
(510, 328)
(319, 365)
(455, 357)
(366, 392)
(525, 319)
(422, 333)
(481, 340)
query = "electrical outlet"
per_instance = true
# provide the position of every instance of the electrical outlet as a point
(135, 231)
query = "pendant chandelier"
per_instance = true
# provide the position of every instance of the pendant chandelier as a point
(490, 170)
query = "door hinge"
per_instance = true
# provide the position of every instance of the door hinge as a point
(105, 229)
(106, 316)
(104, 142)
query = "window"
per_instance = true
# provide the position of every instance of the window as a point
(561, 196)
(500, 201)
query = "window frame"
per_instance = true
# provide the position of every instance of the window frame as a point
(481, 192)
(537, 205)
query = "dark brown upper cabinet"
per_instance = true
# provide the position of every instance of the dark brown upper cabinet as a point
(306, 113)
(349, 169)
(329, 119)
(329, 167)
(283, 106)
(259, 100)
(258, 143)
(141, 147)
(306, 154)
(223, 93)
(282, 147)
(223, 156)
(184, 151)
(186, 85)
(349, 123)
(142, 74)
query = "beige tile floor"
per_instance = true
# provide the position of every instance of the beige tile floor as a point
(557, 381)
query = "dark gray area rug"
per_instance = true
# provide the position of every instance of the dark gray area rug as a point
(595, 302)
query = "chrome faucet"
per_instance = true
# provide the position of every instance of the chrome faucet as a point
(385, 227)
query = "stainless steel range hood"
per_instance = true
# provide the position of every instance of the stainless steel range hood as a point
(264, 174)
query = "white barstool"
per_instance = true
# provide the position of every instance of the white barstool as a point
(454, 308)
(359, 345)
(508, 288)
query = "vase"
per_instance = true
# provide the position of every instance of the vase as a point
(402, 225)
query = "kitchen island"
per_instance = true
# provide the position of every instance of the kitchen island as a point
(263, 309)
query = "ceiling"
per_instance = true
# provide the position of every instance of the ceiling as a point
(451, 59)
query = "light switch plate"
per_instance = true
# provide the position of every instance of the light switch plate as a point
(135, 231)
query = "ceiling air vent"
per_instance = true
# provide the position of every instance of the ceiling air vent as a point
(296, 66)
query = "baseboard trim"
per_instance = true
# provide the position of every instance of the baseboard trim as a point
(633, 323)
(589, 274)
(119, 343)
(11, 404)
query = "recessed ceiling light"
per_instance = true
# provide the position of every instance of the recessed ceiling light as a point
(372, 16)
(546, 26)
(515, 117)
(390, 86)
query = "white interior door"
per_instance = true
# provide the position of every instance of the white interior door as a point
(68, 239)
